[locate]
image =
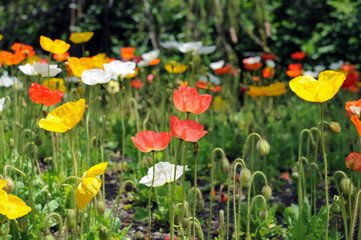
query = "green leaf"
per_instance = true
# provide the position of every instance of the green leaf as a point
(140, 214)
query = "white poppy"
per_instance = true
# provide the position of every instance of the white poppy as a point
(148, 57)
(311, 73)
(217, 65)
(189, 46)
(206, 50)
(119, 68)
(6, 81)
(95, 76)
(271, 63)
(43, 69)
(252, 60)
(28, 69)
(164, 173)
(336, 65)
(2, 104)
(320, 68)
(170, 44)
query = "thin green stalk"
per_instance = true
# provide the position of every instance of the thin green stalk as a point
(184, 162)
(60, 223)
(150, 198)
(195, 158)
(71, 143)
(353, 221)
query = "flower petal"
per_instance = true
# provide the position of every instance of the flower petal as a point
(86, 190)
(16, 207)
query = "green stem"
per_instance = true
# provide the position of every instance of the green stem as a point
(184, 162)
(60, 223)
(75, 167)
(150, 198)
(195, 158)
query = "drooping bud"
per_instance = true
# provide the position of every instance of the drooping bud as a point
(11, 143)
(100, 207)
(71, 218)
(267, 191)
(295, 172)
(334, 127)
(263, 147)
(200, 204)
(346, 186)
(225, 166)
(263, 214)
(185, 222)
(22, 223)
(9, 188)
(245, 177)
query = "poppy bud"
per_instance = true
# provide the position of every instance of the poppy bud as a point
(346, 186)
(100, 207)
(11, 143)
(263, 147)
(225, 167)
(185, 222)
(267, 191)
(336, 203)
(295, 175)
(38, 141)
(334, 127)
(23, 223)
(263, 214)
(49, 237)
(71, 218)
(9, 188)
(195, 148)
(103, 233)
(200, 205)
(221, 232)
(245, 177)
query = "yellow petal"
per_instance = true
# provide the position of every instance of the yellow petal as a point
(2, 183)
(57, 46)
(45, 43)
(86, 190)
(79, 65)
(3, 202)
(81, 37)
(64, 118)
(16, 207)
(96, 170)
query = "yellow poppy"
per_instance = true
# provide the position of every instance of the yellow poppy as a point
(255, 91)
(55, 84)
(1, 37)
(309, 89)
(64, 118)
(132, 75)
(175, 67)
(275, 89)
(32, 59)
(81, 37)
(10, 205)
(90, 185)
(99, 60)
(79, 65)
(57, 46)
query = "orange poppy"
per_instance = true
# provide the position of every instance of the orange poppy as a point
(137, 83)
(298, 55)
(186, 99)
(253, 66)
(353, 161)
(149, 141)
(25, 49)
(295, 66)
(61, 57)
(43, 95)
(216, 89)
(353, 108)
(127, 52)
(223, 70)
(357, 123)
(9, 58)
(202, 84)
(187, 130)
(268, 72)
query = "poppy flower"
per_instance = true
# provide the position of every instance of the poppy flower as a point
(9, 58)
(43, 69)
(61, 57)
(189, 46)
(353, 161)
(119, 68)
(188, 130)
(99, 60)
(2, 104)
(309, 89)
(186, 99)
(267, 56)
(294, 73)
(184, 83)
(54, 84)
(357, 123)
(298, 55)
(351, 79)
(43, 95)
(132, 75)
(148, 141)
(57, 46)
(149, 58)
(295, 66)
(127, 52)
(223, 70)
(90, 185)
(137, 83)
(255, 91)
(268, 72)
(10, 205)
(275, 89)
(252, 63)
(96, 76)
(24, 49)
(353, 108)
(217, 65)
(164, 173)
(79, 65)
(81, 37)
(150, 78)
(348, 67)
(64, 118)
(253, 66)
(175, 67)
(202, 85)
(216, 89)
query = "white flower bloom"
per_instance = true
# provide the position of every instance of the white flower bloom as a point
(43, 69)
(18, 84)
(119, 68)
(336, 65)
(6, 81)
(150, 55)
(253, 60)
(164, 173)
(95, 76)
(2, 104)
(189, 46)
(217, 65)
(311, 73)
(271, 63)
(214, 79)
(206, 50)
(170, 44)
(73, 79)
(320, 68)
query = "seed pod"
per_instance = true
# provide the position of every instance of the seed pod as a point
(346, 186)
(103, 233)
(245, 177)
(263, 147)
(71, 218)
(263, 214)
(10, 185)
(23, 223)
(100, 207)
(225, 166)
(267, 191)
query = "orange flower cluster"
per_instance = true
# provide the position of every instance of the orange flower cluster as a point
(20, 53)
(294, 70)
(204, 85)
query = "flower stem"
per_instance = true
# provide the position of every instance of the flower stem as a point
(150, 198)
(195, 158)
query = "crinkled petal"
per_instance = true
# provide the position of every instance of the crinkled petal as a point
(86, 190)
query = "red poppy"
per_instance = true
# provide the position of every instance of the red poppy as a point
(243, 89)
(223, 70)
(22, 48)
(350, 80)
(295, 66)
(268, 72)
(253, 66)
(353, 108)
(127, 52)
(267, 56)
(224, 198)
(357, 123)
(348, 67)
(43, 95)
(202, 84)
(186, 99)
(137, 83)
(148, 141)
(188, 130)
(61, 57)
(9, 58)
(294, 73)
(216, 89)
(353, 161)
(298, 55)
